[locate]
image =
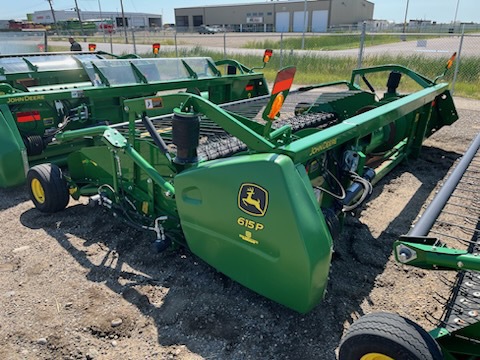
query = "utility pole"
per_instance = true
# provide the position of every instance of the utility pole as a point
(456, 12)
(80, 20)
(124, 22)
(405, 20)
(53, 15)
(101, 19)
(304, 23)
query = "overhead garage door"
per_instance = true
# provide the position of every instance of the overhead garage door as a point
(298, 21)
(138, 22)
(282, 21)
(320, 21)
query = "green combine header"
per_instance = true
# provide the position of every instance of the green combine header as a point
(44, 94)
(256, 190)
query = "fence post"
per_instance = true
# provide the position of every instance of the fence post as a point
(225, 45)
(457, 63)
(362, 44)
(360, 50)
(134, 42)
(176, 49)
(304, 23)
(281, 50)
(45, 41)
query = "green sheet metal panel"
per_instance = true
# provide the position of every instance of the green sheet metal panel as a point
(13, 155)
(255, 219)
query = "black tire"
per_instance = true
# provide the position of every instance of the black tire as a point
(34, 145)
(384, 336)
(47, 188)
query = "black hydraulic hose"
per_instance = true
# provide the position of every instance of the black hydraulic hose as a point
(368, 84)
(157, 139)
(426, 221)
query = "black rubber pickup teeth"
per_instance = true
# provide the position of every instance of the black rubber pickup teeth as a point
(226, 145)
(216, 143)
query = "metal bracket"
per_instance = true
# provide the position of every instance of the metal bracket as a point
(115, 139)
(405, 254)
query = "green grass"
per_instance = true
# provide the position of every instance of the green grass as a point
(313, 69)
(164, 40)
(319, 69)
(331, 41)
(57, 48)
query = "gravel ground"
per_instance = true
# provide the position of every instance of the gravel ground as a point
(80, 285)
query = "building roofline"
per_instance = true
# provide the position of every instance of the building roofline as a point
(247, 4)
(256, 3)
(93, 11)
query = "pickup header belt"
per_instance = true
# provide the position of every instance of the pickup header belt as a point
(463, 207)
(224, 145)
(216, 143)
(458, 226)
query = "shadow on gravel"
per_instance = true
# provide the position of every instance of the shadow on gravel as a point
(12, 197)
(216, 317)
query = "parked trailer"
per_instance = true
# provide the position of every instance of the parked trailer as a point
(41, 95)
(260, 199)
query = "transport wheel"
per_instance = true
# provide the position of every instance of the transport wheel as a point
(384, 336)
(47, 188)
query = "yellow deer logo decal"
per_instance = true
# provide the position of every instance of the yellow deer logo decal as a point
(253, 199)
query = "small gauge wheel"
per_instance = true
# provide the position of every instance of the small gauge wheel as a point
(48, 188)
(385, 336)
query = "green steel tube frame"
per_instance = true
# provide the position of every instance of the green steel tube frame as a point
(299, 151)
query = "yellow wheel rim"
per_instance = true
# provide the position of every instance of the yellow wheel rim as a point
(375, 356)
(37, 191)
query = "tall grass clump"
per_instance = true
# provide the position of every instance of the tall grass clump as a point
(331, 41)
(314, 69)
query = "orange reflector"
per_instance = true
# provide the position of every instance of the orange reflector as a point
(156, 48)
(284, 80)
(276, 106)
(451, 60)
(267, 55)
(28, 116)
(92, 47)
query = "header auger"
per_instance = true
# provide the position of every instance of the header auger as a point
(260, 200)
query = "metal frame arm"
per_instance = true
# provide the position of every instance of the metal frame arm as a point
(424, 253)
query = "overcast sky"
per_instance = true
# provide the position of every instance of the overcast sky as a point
(436, 10)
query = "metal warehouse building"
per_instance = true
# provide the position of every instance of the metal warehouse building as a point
(277, 16)
(137, 20)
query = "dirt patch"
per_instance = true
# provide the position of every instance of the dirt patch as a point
(81, 285)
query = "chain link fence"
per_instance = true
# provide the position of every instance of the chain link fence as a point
(14, 42)
(426, 53)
